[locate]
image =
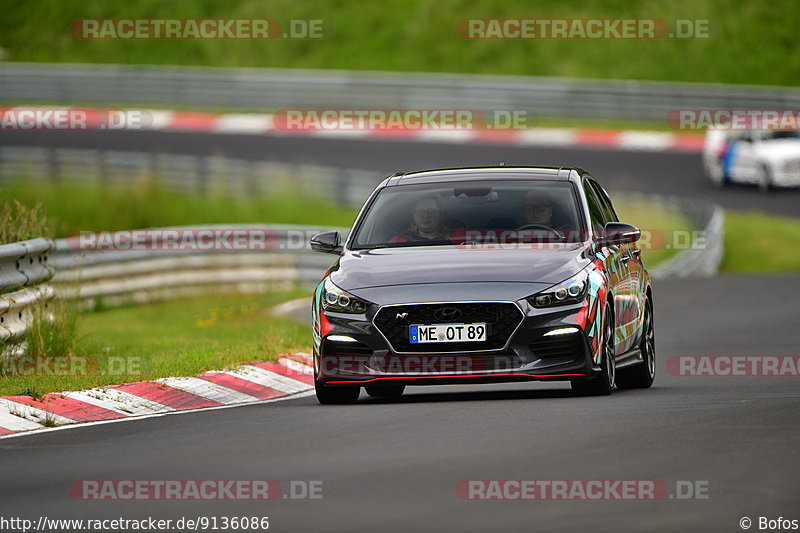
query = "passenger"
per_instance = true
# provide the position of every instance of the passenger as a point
(428, 223)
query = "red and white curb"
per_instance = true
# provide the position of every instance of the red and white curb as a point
(258, 382)
(263, 124)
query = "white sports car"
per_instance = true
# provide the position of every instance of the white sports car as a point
(766, 158)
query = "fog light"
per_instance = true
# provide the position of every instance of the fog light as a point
(561, 331)
(340, 338)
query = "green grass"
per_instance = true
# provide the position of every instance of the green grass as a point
(659, 225)
(22, 221)
(71, 207)
(178, 338)
(756, 242)
(752, 41)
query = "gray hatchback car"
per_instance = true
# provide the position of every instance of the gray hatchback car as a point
(483, 275)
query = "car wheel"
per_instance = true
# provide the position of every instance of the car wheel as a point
(336, 395)
(641, 376)
(764, 178)
(385, 391)
(602, 384)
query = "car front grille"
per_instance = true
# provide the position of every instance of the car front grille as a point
(501, 319)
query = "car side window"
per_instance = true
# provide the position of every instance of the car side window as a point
(740, 135)
(595, 212)
(605, 203)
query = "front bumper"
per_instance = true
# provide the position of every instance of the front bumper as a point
(530, 352)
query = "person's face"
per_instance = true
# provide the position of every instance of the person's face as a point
(538, 210)
(427, 216)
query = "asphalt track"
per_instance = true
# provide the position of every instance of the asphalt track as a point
(393, 465)
(618, 170)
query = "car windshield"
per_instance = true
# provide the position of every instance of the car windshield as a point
(779, 134)
(471, 212)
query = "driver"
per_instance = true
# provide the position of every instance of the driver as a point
(537, 208)
(537, 211)
(428, 222)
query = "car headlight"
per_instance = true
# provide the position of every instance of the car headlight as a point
(570, 291)
(341, 301)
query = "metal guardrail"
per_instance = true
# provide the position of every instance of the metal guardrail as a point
(195, 174)
(25, 263)
(115, 277)
(17, 310)
(701, 258)
(24, 266)
(273, 89)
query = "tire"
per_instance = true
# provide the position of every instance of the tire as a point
(641, 375)
(764, 179)
(336, 395)
(385, 391)
(602, 384)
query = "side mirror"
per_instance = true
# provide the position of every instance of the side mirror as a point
(327, 243)
(620, 233)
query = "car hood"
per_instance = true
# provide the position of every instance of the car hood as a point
(780, 149)
(450, 292)
(543, 264)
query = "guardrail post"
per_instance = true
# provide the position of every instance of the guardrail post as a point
(102, 166)
(342, 186)
(203, 175)
(53, 167)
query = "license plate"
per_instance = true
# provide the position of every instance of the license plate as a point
(447, 333)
